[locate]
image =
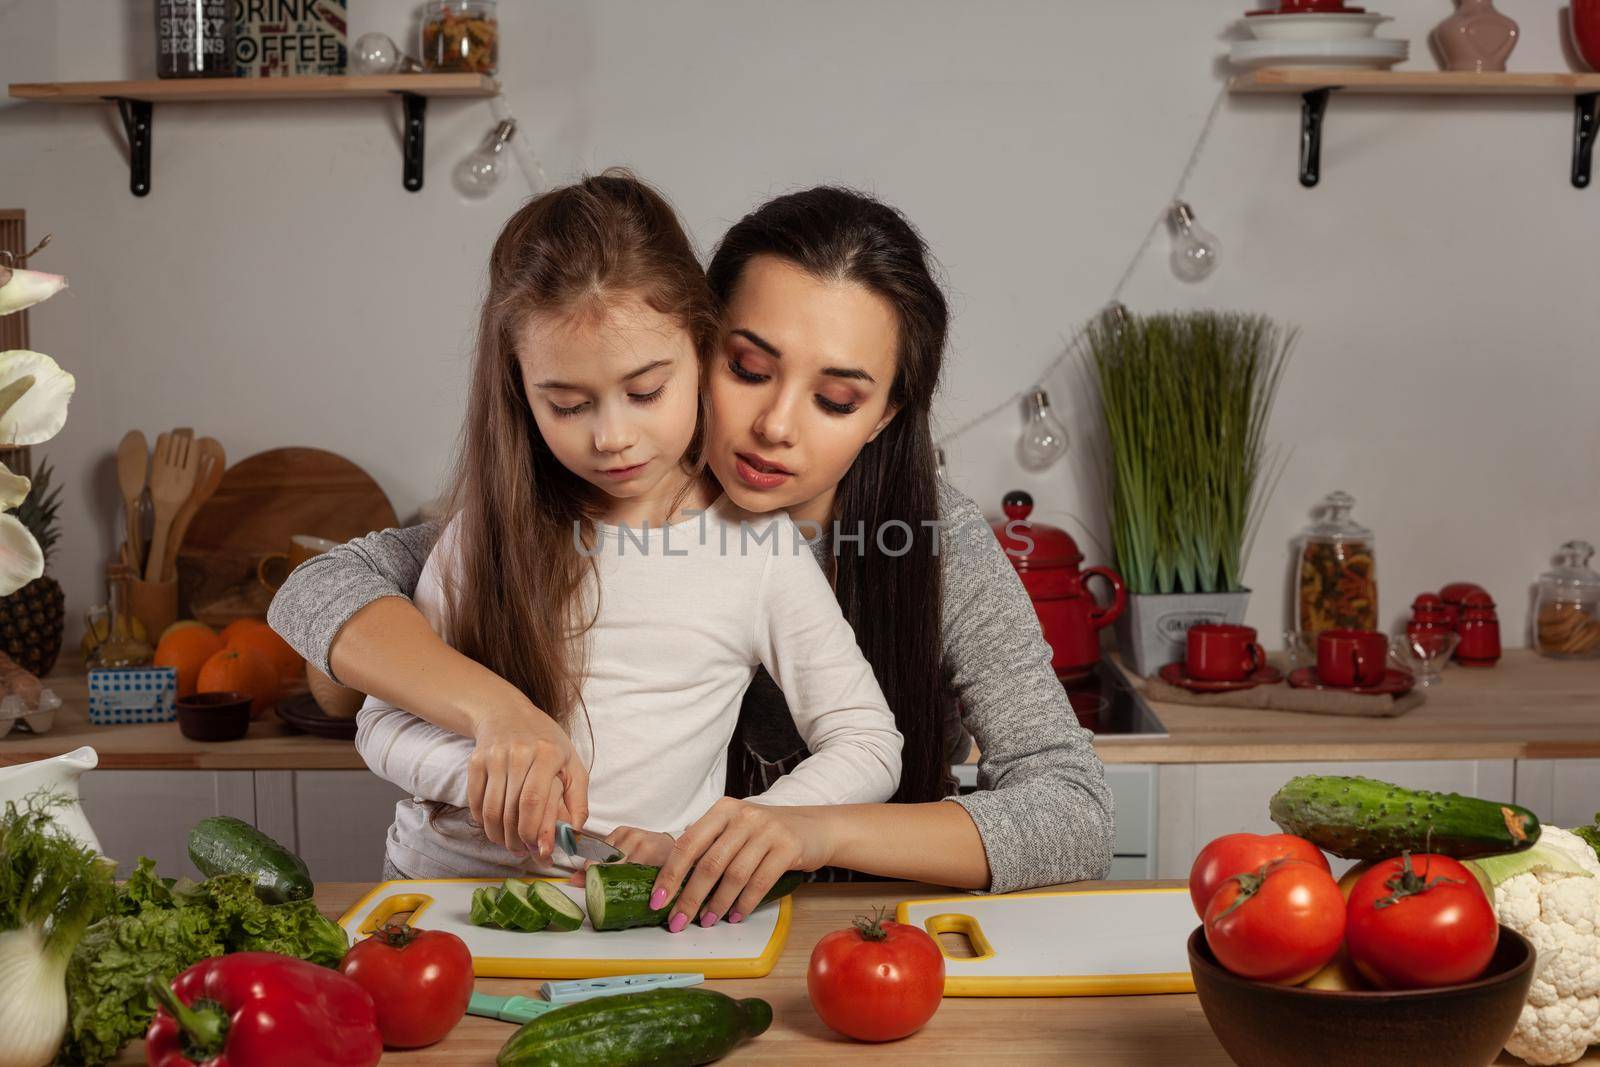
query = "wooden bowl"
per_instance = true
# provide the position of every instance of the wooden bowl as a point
(1264, 1025)
(213, 716)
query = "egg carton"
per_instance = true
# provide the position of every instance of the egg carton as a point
(15, 713)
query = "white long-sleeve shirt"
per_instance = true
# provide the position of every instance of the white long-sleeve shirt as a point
(685, 615)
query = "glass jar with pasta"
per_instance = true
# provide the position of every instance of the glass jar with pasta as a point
(1566, 609)
(1337, 577)
(461, 36)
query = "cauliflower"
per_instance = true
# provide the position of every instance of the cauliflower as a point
(1554, 901)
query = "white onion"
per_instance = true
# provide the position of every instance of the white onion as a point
(33, 999)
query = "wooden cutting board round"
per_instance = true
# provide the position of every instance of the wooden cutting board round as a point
(261, 502)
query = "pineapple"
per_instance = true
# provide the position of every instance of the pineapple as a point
(32, 618)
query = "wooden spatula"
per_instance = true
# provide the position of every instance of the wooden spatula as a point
(133, 469)
(172, 478)
(213, 461)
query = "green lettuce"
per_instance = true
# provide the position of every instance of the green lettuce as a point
(161, 928)
(1591, 834)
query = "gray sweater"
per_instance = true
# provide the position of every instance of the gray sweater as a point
(1042, 807)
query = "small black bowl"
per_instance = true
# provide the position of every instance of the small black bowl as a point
(213, 716)
(1265, 1025)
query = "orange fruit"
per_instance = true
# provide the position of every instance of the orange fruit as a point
(182, 624)
(239, 626)
(187, 648)
(285, 661)
(241, 670)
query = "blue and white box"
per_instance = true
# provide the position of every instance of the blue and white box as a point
(132, 694)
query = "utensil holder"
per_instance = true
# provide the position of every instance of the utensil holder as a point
(155, 604)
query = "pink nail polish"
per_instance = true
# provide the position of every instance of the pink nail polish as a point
(735, 917)
(708, 920)
(658, 900)
(679, 921)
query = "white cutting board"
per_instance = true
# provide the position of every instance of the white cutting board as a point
(747, 949)
(1099, 942)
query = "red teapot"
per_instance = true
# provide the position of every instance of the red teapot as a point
(1047, 558)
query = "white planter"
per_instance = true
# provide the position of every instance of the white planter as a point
(1152, 632)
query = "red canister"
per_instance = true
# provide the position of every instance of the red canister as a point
(1047, 559)
(1479, 628)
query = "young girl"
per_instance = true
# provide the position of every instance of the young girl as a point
(589, 563)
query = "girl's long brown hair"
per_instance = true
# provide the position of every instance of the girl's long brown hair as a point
(514, 602)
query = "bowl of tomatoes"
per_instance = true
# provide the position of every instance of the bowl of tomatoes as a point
(1401, 959)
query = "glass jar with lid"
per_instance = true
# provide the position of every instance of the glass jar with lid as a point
(1337, 576)
(1566, 609)
(461, 36)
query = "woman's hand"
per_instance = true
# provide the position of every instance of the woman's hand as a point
(738, 850)
(639, 846)
(523, 776)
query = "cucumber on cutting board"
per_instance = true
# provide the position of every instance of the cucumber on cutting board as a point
(225, 845)
(483, 911)
(658, 1028)
(1364, 819)
(618, 895)
(519, 909)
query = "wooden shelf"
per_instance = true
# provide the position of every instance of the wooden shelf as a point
(1316, 84)
(136, 102)
(1412, 82)
(216, 90)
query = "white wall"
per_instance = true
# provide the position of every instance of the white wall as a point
(279, 287)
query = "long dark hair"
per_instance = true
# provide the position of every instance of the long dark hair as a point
(892, 601)
(573, 250)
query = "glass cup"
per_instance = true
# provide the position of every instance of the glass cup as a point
(1428, 651)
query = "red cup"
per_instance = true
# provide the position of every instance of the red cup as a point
(1586, 31)
(1221, 652)
(1351, 657)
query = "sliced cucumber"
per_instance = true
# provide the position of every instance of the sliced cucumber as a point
(521, 910)
(564, 914)
(483, 907)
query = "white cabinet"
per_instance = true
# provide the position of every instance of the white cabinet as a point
(1198, 802)
(1133, 791)
(1562, 792)
(335, 820)
(149, 813)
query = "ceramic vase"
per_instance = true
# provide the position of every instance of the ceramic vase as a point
(1476, 37)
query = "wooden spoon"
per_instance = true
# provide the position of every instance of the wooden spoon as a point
(172, 479)
(133, 468)
(213, 461)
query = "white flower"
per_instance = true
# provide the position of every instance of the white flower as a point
(39, 412)
(24, 288)
(21, 560)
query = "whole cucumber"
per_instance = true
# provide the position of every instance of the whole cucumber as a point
(1365, 819)
(618, 895)
(225, 845)
(656, 1028)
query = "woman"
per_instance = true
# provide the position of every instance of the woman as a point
(833, 336)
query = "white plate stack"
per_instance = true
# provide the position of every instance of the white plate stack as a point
(1306, 38)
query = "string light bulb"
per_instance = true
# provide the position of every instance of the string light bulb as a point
(1044, 439)
(1194, 248)
(479, 173)
(376, 53)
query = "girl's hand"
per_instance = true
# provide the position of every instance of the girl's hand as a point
(523, 775)
(639, 846)
(738, 850)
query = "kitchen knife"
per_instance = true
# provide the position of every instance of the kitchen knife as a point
(511, 1009)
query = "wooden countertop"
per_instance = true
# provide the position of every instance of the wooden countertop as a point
(1527, 707)
(1133, 1031)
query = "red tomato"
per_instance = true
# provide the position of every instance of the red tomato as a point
(877, 981)
(1415, 922)
(1233, 854)
(420, 981)
(1280, 924)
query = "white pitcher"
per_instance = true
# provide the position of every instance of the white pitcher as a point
(60, 775)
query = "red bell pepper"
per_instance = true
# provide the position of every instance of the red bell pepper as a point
(260, 1009)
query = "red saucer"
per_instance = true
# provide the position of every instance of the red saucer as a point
(1173, 674)
(1395, 683)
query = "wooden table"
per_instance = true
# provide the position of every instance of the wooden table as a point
(1528, 707)
(1137, 1031)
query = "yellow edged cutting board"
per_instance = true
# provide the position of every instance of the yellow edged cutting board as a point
(1099, 942)
(748, 949)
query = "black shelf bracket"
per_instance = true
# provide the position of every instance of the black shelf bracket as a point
(138, 120)
(1583, 132)
(416, 109)
(1313, 106)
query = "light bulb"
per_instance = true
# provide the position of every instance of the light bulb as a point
(1194, 249)
(480, 173)
(1044, 439)
(376, 53)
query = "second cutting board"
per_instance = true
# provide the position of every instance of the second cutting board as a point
(1099, 942)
